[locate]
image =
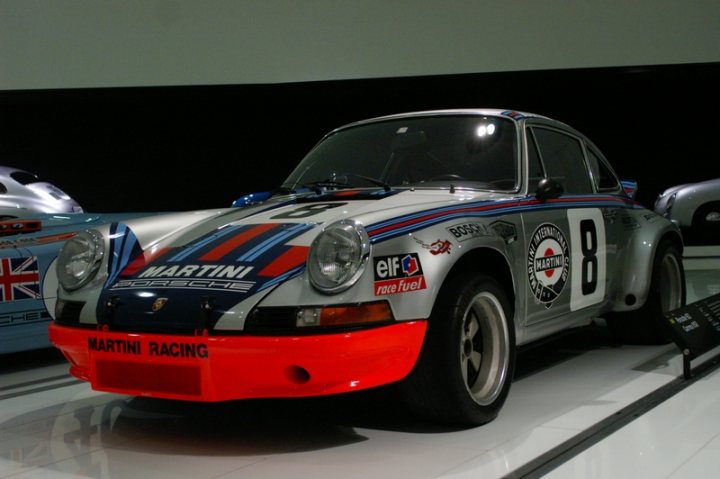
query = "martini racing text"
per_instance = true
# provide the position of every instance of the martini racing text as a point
(154, 348)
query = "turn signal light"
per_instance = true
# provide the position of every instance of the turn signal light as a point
(344, 315)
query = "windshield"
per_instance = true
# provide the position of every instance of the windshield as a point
(24, 178)
(471, 151)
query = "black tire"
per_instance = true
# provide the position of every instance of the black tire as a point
(467, 361)
(667, 292)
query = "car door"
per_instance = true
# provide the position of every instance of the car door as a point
(566, 238)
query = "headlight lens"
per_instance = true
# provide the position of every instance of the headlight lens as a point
(338, 256)
(80, 259)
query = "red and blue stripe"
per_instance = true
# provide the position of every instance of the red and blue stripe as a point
(401, 225)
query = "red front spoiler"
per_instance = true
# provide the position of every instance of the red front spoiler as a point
(219, 368)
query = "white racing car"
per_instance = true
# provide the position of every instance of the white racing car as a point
(419, 249)
(695, 208)
(23, 193)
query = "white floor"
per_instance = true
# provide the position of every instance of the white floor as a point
(52, 426)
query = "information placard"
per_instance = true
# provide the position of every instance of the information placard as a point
(695, 328)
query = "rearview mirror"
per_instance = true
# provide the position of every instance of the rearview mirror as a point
(548, 189)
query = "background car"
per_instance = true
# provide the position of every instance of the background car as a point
(418, 250)
(28, 283)
(695, 207)
(23, 193)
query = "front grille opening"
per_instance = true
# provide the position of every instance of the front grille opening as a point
(152, 378)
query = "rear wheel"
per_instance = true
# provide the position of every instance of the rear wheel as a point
(667, 292)
(466, 365)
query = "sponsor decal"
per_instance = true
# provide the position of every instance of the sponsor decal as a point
(196, 271)
(436, 247)
(398, 274)
(190, 276)
(466, 231)
(548, 263)
(610, 215)
(24, 317)
(135, 347)
(440, 247)
(505, 230)
(629, 223)
(19, 279)
(158, 304)
(209, 284)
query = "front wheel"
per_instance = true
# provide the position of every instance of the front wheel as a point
(464, 371)
(667, 292)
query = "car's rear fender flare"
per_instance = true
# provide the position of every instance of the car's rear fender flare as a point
(634, 287)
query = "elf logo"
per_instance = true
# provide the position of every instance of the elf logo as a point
(398, 274)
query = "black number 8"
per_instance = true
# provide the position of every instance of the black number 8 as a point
(588, 245)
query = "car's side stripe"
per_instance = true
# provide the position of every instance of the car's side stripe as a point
(405, 224)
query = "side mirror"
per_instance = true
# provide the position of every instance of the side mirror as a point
(548, 189)
(251, 199)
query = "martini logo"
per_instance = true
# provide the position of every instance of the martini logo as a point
(548, 263)
(398, 274)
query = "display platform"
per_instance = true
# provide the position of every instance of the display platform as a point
(52, 425)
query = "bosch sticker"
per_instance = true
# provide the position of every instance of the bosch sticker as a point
(548, 263)
(398, 274)
(466, 231)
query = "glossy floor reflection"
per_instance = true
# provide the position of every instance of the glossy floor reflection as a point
(53, 426)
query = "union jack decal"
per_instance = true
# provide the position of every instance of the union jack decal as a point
(19, 279)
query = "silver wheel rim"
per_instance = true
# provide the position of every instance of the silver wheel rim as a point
(670, 283)
(484, 348)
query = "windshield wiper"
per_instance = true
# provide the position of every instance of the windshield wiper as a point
(334, 182)
(372, 180)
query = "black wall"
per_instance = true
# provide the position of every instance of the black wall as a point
(178, 148)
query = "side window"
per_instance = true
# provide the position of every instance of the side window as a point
(604, 178)
(564, 161)
(535, 168)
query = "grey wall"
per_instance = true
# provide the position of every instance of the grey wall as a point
(47, 44)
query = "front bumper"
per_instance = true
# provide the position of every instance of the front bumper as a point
(219, 368)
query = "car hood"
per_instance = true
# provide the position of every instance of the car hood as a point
(189, 280)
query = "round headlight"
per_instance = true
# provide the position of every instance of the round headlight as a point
(338, 256)
(79, 259)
